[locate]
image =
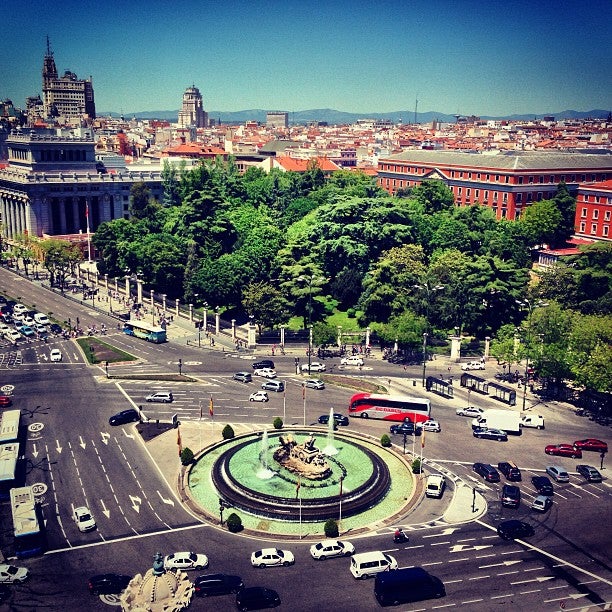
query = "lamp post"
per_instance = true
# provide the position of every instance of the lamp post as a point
(428, 291)
(424, 355)
(309, 279)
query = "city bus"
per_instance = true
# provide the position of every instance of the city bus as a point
(146, 331)
(29, 537)
(9, 426)
(390, 407)
(9, 455)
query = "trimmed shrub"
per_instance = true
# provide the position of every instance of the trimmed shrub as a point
(385, 440)
(234, 523)
(277, 423)
(351, 313)
(416, 466)
(186, 456)
(228, 432)
(331, 529)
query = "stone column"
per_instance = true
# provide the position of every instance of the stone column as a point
(282, 338)
(139, 290)
(176, 308)
(127, 288)
(233, 329)
(455, 348)
(151, 292)
(75, 216)
(164, 302)
(217, 321)
(339, 336)
(190, 313)
(367, 338)
(106, 282)
(205, 318)
(62, 215)
(487, 347)
(251, 335)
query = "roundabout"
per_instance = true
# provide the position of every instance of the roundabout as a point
(269, 480)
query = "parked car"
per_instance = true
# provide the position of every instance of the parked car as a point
(509, 530)
(13, 335)
(557, 473)
(265, 372)
(351, 360)
(487, 471)
(55, 328)
(331, 548)
(105, 584)
(510, 471)
(314, 383)
(244, 377)
(19, 309)
(55, 355)
(82, 517)
(255, 598)
(125, 416)
(431, 425)
(264, 363)
(315, 366)
(542, 503)
(186, 560)
(27, 331)
(473, 365)
(259, 396)
(10, 573)
(542, 485)
(5, 401)
(217, 584)
(163, 397)
(273, 385)
(41, 318)
(563, 450)
(510, 496)
(589, 472)
(4, 328)
(267, 557)
(340, 419)
(490, 434)
(406, 427)
(469, 411)
(28, 320)
(591, 444)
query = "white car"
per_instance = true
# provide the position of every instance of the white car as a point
(13, 335)
(331, 548)
(473, 365)
(352, 360)
(431, 425)
(19, 309)
(315, 366)
(4, 328)
(258, 396)
(41, 318)
(272, 556)
(82, 517)
(56, 355)
(265, 372)
(11, 573)
(29, 321)
(470, 411)
(185, 561)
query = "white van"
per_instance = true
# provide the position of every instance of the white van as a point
(364, 565)
(435, 486)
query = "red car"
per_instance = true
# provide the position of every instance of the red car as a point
(5, 401)
(563, 450)
(591, 444)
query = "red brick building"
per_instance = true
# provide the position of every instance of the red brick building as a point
(505, 181)
(594, 210)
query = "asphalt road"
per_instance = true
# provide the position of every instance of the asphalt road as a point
(73, 452)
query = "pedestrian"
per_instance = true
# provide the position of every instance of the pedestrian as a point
(602, 456)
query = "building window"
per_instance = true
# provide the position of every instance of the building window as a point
(497, 178)
(582, 227)
(468, 192)
(552, 178)
(477, 193)
(539, 196)
(583, 213)
(486, 195)
(530, 179)
(519, 198)
(505, 199)
(478, 176)
(460, 190)
(593, 228)
(520, 180)
(606, 229)
(596, 214)
(607, 215)
(529, 197)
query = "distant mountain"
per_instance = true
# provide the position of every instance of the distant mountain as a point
(335, 117)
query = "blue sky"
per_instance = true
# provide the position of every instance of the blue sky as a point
(483, 57)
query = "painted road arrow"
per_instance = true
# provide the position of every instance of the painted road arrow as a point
(444, 532)
(58, 448)
(127, 435)
(105, 437)
(506, 563)
(166, 501)
(136, 501)
(464, 547)
(538, 579)
(35, 451)
(105, 510)
(82, 442)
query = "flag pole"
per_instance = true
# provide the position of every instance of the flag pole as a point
(88, 233)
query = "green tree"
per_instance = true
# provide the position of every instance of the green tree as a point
(60, 257)
(266, 304)
(170, 176)
(566, 204)
(434, 196)
(541, 221)
(142, 204)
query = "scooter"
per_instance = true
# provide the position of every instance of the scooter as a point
(400, 537)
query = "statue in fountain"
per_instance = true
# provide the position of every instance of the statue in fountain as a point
(303, 459)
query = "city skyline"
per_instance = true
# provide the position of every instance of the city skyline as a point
(463, 58)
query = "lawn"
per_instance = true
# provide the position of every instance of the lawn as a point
(97, 351)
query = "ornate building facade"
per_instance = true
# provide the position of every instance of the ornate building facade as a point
(66, 96)
(52, 186)
(192, 113)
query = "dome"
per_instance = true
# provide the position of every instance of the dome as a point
(156, 588)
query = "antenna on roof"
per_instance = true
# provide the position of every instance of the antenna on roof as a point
(416, 105)
(49, 52)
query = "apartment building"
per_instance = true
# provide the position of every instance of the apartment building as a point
(594, 210)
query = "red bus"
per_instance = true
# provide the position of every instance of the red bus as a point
(389, 407)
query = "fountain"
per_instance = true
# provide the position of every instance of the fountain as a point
(330, 449)
(264, 472)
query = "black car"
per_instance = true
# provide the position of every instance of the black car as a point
(510, 496)
(254, 598)
(406, 427)
(589, 472)
(490, 434)
(264, 363)
(217, 584)
(55, 328)
(125, 416)
(105, 584)
(510, 471)
(487, 471)
(508, 530)
(542, 485)
(340, 419)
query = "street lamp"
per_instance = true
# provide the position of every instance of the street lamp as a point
(310, 280)
(428, 291)
(424, 355)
